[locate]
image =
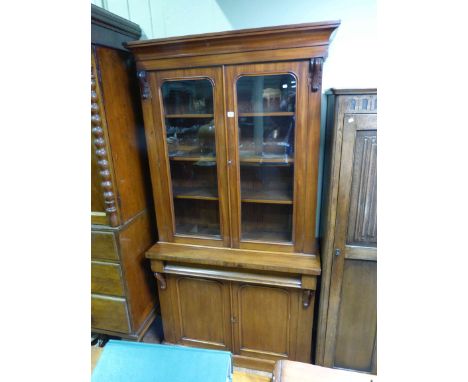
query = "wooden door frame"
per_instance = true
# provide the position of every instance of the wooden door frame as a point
(159, 161)
(348, 142)
(300, 70)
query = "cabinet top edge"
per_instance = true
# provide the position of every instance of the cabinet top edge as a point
(236, 258)
(111, 21)
(329, 26)
(334, 91)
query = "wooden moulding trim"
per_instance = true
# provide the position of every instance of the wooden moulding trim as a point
(351, 91)
(361, 253)
(295, 263)
(232, 275)
(230, 58)
(241, 33)
(133, 336)
(111, 21)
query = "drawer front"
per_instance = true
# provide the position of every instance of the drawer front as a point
(109, 313)
(103, 246)
(106, 278)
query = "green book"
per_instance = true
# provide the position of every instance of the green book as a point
(140, 362)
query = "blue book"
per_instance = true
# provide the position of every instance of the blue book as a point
(125, 361)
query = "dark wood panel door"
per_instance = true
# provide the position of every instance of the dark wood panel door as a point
(201, 312)
(265, 321)
(352, 316)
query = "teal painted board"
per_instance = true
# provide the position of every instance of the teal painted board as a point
(123, 361)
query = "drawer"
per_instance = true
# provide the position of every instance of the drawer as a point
(103, 246)
(109, 313)
(106, 278)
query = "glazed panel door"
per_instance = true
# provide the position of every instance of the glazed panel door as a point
(189, 164)
(266, 119)
(352, 323)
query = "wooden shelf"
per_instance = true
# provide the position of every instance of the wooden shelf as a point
(269, 114)
(266, 196)
(295, 263)
(194, 158)
(279, 159)
(196, 230)
(188, 116)
(267, 236)
(199, 193)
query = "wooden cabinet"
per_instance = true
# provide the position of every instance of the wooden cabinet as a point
(122, 288)
(232, 122)
(347, 329)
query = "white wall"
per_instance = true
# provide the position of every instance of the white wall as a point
(351, 62)
(352, 57)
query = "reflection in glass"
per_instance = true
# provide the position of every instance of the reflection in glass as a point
(190, 139)
(188, 97)
(266, 124)
(266, 94)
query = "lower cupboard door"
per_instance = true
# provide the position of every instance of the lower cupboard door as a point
(201, 311)
(265, 321)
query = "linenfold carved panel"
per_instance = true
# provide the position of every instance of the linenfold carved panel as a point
(362, 229)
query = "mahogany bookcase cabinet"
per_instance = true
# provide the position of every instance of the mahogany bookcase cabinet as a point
(232, 124)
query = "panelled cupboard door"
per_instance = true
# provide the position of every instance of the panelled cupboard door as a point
(265, 321)
(352, 315)
(201, 312)
(267, 128)
(188, 157)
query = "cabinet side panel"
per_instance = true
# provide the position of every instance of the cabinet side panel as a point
(125, 129)
(141, 289)
(333, 140)
(357, 318)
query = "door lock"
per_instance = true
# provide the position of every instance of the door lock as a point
(337, 252)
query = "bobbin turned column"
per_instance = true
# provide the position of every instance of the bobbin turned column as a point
(101, 153)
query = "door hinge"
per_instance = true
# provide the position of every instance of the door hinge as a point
(315, 72)
(144, 85)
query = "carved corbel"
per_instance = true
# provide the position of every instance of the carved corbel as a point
(162, 280)
(144, 86)
(306, 297)
(316, 73)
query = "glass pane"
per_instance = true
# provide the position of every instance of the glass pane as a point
(260, 94)
(190, 135)
(266, 222)
(266, 122)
